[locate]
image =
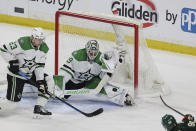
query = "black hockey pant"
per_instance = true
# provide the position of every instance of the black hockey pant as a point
(15, 87)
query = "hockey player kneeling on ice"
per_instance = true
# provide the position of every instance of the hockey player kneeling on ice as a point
(187, 124)
(90, 68)
(27, 55)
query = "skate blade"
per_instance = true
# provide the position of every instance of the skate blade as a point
(39, 117)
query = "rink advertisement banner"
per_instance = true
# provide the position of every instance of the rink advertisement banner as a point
(161, 21)
(53, 4)
(188, 20)
(45, 9)
(142, 10)
(174, 22)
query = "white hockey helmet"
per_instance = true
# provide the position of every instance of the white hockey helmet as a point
(37, 33)
(92, 49)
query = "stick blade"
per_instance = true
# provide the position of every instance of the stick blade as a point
(97, 112)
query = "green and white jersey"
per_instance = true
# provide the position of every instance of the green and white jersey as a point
(30, 58)
(80, 68)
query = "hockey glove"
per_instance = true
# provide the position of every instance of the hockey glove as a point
(42, 86)
(187, 118)
(14, 66)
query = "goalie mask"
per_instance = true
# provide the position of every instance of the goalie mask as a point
(92, 49)
(169, 122)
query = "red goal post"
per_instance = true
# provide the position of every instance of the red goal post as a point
(100, 19)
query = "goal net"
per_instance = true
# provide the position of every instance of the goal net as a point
(74, 29)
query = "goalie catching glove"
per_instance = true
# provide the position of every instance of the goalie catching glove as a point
(42, 86)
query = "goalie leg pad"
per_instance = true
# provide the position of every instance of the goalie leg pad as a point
(59, 86)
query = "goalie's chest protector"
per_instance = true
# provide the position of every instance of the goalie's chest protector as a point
(85, 70)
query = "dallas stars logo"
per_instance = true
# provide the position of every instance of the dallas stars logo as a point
(29, 64)
(86, 75)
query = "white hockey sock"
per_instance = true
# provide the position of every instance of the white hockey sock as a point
(41, 101)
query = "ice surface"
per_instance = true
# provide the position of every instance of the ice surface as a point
(178, 70)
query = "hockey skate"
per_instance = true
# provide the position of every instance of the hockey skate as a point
(40, 112)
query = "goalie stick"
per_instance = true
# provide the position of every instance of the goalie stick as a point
(94, 113)
(171, 107)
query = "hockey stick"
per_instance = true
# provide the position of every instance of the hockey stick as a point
(94, 113)
(171, 107)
